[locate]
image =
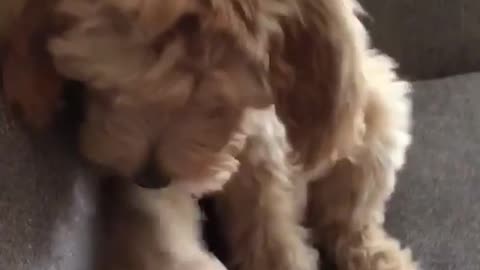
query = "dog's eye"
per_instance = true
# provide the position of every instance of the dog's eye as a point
(188, 24)
(217, 112)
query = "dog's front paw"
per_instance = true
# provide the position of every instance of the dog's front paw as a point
(375, 251)
(224, 166)
(211, 182)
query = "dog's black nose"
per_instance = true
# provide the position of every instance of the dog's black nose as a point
(151, 176)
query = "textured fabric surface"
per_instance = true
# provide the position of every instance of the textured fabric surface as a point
(47, 208)
(430, 38)
(46, 203)
(436, 207)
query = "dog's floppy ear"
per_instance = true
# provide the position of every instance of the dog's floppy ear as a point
(31, 86)
(316, 80)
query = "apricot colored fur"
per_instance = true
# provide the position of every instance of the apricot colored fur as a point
(281, 104)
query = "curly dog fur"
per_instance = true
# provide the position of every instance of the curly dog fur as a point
(282, 104)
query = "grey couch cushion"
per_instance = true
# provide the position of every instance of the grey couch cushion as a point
(429, 38)
(46, 203)
(436, 207)
(47, 211)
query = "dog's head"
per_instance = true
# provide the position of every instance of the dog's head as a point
(168, 84)
(169, 80)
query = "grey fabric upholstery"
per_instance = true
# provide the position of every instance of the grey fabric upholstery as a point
(46, 203)
(436, 207)
(47, 210)
(430, 38)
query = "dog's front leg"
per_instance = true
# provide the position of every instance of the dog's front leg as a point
(156, 229)
(346, 212)
(176, 220)
(347, 206)
(261, 208)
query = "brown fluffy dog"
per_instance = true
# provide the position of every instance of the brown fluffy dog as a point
(285, 95)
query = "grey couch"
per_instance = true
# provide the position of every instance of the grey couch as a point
(47, 209)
